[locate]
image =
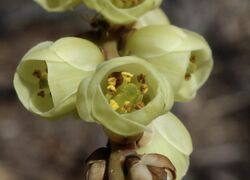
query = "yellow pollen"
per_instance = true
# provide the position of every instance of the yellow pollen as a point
(127, 76)
(111, 88)
(127, 106)
(144, 88)
(112, 81)
(114, 105)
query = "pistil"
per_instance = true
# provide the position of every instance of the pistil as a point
(125, 91)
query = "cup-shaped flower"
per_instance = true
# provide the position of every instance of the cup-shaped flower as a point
(58, 5)
(124, 95)
(122, 12)
(170, 138)
(153, 17)
(47, 78)
(182, 56)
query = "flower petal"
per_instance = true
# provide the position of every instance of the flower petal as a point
(116, 15)
(153, 17)
(171, 128)
(173, 66)
(153, 41)
(80, 53)
(161, 146)
(63, 80)
(58, 5)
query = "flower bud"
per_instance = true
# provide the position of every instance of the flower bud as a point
(182, 56)
(47, 78)
(138, 95)
(97, 165)
(120, 11)
(153, 17)
(149, 167)
(171, 139)
(58, 5)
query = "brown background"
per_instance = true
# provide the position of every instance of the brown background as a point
(218, 119)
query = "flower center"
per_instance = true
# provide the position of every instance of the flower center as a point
(126, 3)
(192, 67)
(125, 91)
(42, 76)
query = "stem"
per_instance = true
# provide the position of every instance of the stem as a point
(117, 158)
(110, 49)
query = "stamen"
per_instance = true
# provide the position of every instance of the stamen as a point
(126, 107)
(112, 81)
(144, 88)
(37, 73)
(139, 105)
(118, 77)
(192, 67)
(127, 76)
(193, 59)
(41, 94)
(187, 77)
(111, 88)
(114, 105)
(141, 78)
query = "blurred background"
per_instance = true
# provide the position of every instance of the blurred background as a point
(218, 119)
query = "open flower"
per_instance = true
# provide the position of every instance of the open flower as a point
(153, 17)
(170, 138)
(124, 95)
(58, 5)
(120, 11)
(47, 78)
(182, 56)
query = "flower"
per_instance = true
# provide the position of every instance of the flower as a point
(58, 5)
(153, 17)
(124, 95)
(120, 11)
(182, 56)
(48, 75)
(170, 138)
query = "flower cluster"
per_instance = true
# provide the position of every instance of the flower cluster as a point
(130, 94)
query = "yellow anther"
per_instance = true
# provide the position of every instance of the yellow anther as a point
(126, 106)
(144, 88)
(112, 81)
(127, 77)
(139, 105)
(111, 88)
(114, 105)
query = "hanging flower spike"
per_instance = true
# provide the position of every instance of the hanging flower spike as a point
(58, 5)
(170, 138)
(153, 17)
(124, 95)
(47, 78)
(182, 56)
(122, 11)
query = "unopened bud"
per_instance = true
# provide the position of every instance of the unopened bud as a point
(149, 167)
